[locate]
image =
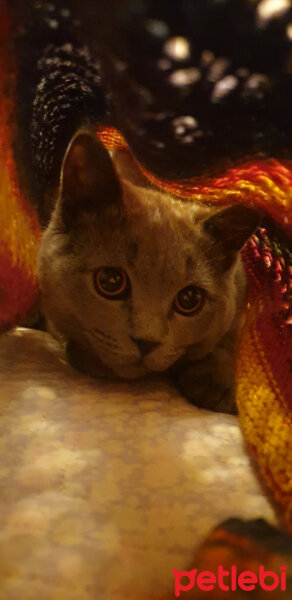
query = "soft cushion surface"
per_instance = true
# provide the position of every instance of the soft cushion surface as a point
(107, 486)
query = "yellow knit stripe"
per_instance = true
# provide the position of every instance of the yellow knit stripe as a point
(263, 193)
(263, 416)
(16, 228)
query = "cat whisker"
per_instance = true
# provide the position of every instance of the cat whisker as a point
(106, 343)
(103, 334)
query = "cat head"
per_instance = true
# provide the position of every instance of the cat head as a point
(133, 275)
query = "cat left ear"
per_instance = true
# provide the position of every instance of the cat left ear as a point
(232, 227)
(88, 176)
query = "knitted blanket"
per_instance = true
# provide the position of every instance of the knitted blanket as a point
(19, 234)
(264, 364)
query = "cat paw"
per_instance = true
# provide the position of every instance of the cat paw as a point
(204, 387)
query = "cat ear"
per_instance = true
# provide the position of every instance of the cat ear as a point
(88, 177)
(232, 226)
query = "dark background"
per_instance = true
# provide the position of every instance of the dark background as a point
(176, 113)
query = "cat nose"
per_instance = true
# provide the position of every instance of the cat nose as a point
(145, 346)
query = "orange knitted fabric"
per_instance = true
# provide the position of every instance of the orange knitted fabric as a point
(19, 224)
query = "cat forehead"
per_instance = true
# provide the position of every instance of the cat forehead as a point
(162, 232)
(156, 207)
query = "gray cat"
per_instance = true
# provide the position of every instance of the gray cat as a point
(135, 281)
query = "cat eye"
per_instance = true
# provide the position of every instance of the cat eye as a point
(188, 300)
(112, 283)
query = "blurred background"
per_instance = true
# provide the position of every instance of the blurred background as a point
(195, 86)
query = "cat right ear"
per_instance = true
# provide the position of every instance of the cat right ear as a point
(230, 228)
(88, 178)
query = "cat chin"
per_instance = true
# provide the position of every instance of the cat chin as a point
(140, 369)
(131, 371)
(153, 365)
